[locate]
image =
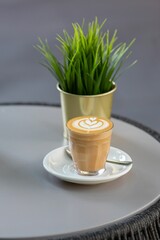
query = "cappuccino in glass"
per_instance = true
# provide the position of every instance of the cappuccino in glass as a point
(89, 143)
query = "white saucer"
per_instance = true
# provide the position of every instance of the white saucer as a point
(58, 163)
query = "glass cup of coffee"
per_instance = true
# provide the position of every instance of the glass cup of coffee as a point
(89, 143)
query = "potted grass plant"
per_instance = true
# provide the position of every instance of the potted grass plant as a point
(92, 63)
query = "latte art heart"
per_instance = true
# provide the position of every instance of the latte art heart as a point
(92, 118)
(89, 124)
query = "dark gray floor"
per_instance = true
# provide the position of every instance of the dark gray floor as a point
(22, 79)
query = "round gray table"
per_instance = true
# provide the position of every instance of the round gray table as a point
(37, 205)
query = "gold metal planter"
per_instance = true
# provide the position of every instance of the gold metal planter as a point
(82, 105)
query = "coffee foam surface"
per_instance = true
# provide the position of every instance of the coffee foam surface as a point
(89, 124)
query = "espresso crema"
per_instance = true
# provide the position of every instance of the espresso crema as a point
(89, 124)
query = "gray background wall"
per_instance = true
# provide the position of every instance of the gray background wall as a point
(22, 79)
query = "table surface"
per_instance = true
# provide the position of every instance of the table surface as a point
(34, 203)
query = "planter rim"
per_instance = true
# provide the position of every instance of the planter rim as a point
(88, 96)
